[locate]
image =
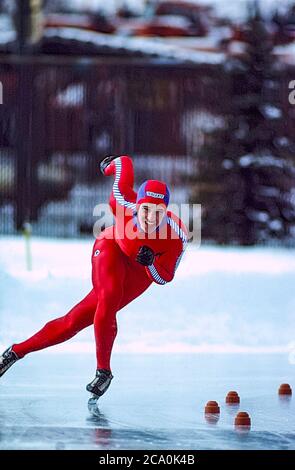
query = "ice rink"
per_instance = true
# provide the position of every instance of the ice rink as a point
(154, 402)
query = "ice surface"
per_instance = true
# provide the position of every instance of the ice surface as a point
(154, 402)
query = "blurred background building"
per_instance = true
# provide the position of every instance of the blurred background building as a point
(196, 91)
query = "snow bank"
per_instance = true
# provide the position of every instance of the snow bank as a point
(222, 299)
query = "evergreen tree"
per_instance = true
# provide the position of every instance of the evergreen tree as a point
(245, 168)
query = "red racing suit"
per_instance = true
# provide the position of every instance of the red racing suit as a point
(117, 277)
(168, 242)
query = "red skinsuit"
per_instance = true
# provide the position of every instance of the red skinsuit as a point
(117, 278)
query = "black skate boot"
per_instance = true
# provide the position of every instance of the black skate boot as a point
(7, 359)
(106, 161)
(101, 383)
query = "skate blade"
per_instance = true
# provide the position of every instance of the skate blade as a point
(93, 405)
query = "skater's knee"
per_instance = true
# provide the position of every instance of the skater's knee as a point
(104, 317)
(63, 324)
(72, 323)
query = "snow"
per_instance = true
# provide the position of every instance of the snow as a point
(236, 47)
(155, 47)
(235, 10)
(271, 112)
(73, 95)
(222, 299)
(227, 164)
(211, 41)
(268, 191)
(264, 160)
(7, 36)
(258, 216)
(276, 225)
(239, 8)
(288, 49)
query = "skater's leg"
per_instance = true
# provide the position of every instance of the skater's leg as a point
(105, 324)
(61, 329)
(117, 281)
(109, 269)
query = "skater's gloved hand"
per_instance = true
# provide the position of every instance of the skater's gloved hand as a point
(104, 163)
(145, 256)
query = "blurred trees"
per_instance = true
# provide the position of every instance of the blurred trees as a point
(245, 168)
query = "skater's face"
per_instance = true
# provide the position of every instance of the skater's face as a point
(150, 216)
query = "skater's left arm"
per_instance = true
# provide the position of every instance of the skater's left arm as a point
(163, 268)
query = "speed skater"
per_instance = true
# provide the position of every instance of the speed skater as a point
(144, 245)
